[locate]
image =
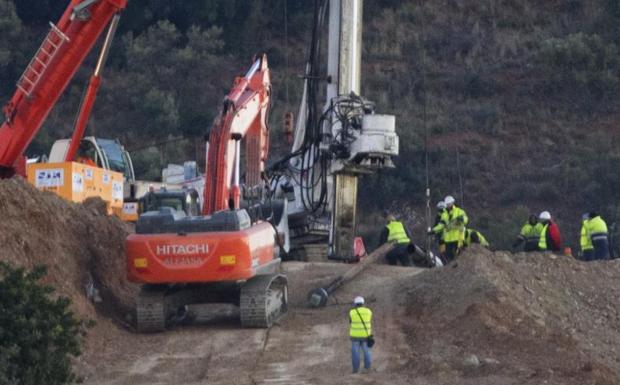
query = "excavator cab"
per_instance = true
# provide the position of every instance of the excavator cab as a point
(185, 200)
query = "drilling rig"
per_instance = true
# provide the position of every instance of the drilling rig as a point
(334, 144)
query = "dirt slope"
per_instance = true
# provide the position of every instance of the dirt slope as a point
(79, 244)
(528, 318)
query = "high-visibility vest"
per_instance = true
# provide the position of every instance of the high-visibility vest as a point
(396, 232)
(481, 238)
(584, 240)
(531, 234)
(356, 328)
(542, 242)
(453, 225)
(596, 228)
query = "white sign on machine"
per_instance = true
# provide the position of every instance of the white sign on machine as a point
(77, 184)
(130, 208)
(53, 177)
(117, 190)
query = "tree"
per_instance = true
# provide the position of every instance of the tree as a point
(171, 85)
(10, 42)
(38, 334)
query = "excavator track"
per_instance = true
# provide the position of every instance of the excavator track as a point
(264, 299)
(151, 309)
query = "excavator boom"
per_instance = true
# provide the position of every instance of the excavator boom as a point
(243, 115)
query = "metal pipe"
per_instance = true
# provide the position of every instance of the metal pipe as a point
(235, 188)
(319, 296)
(87, 104)
(107, 43)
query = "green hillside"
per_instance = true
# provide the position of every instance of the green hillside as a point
(519, 99)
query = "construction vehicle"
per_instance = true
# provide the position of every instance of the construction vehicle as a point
(230, 255)
(335, 144)
(55, 63)
(110, 175)
(109, 154)
(53, 66)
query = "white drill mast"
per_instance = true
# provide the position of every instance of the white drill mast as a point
(354, 139)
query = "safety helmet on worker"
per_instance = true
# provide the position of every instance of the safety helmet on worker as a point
(358, 300)
(441, 205)
(449, 200)
(545, 216)
(391, 218)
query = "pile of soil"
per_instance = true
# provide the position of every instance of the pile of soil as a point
(515, 318)
(82, 247)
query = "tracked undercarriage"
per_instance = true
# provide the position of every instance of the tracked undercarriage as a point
(259, 302)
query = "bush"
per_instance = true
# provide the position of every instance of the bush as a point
(38, 334)
(578, 63)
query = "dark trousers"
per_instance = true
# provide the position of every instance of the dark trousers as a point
(399, 253)
(588, 255)
(531, 246)
(601, 249)
(452, 249)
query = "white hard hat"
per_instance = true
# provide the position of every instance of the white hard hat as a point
(358, 300)
(544, 216)
(449, 200)
(441, 205)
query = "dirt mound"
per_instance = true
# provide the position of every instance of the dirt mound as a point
(82, 247)
(498, 317)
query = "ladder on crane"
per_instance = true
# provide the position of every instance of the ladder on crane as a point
(50, 47)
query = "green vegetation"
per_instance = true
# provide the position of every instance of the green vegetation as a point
(38, 333)
(579, 62)
(521, 97)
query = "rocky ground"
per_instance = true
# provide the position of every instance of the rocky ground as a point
(488, 318)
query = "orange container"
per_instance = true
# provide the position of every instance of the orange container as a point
(76, 181)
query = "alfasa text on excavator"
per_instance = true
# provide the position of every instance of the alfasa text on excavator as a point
(229, 255)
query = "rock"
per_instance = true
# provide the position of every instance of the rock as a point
(471, 360)
(490, 361)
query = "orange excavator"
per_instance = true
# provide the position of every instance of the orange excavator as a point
(229, 254)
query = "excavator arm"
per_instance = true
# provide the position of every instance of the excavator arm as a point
(61, 54)
(243, 116)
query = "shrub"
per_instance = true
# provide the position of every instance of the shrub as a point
(38, 334)
(578, 63)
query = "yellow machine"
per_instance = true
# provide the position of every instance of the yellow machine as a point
(76, 182)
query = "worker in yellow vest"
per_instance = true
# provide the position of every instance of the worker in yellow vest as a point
(596, 231)
(587, 249)
(530, 234)
(475, 236)
(360, 332)
(441, 207)
(453, 222)
(395, 231)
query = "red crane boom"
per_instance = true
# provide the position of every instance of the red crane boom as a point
(48, 74)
